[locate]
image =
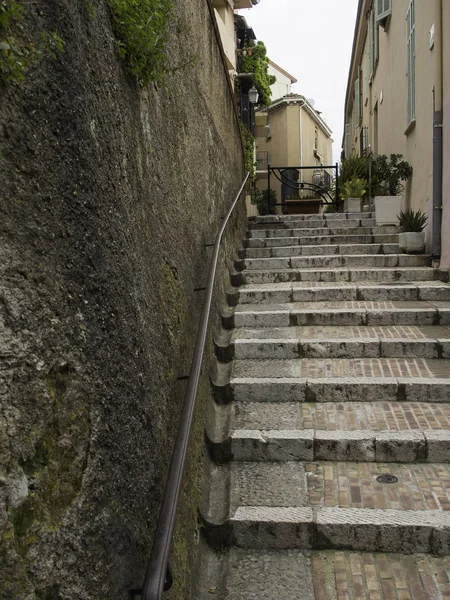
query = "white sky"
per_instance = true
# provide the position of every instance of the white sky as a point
(312, 40)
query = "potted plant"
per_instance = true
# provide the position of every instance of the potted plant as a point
(388, 173)
(412, 240)
(353, 192)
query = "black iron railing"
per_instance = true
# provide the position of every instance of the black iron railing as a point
(262, 161)
(159, 577)
(322, 186)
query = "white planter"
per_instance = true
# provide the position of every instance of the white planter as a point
(411, 242)
(387, 209)
(352, 205)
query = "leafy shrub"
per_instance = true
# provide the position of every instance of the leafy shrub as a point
(266, 202)
(141, 28)
(354, 188)
(388, 174)
(412, 221)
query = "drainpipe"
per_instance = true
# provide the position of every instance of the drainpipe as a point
(437, 137)
(300, 141)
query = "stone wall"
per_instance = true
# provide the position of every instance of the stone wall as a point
(108, 194)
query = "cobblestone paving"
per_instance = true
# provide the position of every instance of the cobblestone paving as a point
(379, 416)
(367, 576)
(354, 485)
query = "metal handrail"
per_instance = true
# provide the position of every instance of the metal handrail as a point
(157, 571)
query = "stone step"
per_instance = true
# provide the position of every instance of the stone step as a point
(372, 416)
(333, 380)
(324, 341)
(314, 223)
(343, 274)
(352, 445)
(342, 291)
(327, 250)
(287, 218)
(338, 313)
(335, 261)
(325, 240)
(323, 231)
(264, 505)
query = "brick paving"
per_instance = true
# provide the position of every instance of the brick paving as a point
(354, 485)
(373, 576)
(366, 367)
(374, 416)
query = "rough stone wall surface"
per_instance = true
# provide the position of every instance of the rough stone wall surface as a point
(108, 194)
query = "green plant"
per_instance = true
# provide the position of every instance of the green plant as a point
(388, 174)
(141, 28)
(412, 221)
(17, 55)
(266, 202)
(258, 64)
(354, 188)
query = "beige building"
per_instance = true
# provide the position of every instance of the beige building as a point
(291, 133)
(224, 12)
(398, 89)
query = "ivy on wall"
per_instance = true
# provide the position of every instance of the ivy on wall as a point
(258, 64)
(141, 28)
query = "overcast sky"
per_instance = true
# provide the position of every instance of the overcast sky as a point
(312, 40)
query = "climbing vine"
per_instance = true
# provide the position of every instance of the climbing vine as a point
(17, 52)
(258, 64)
(141, 28)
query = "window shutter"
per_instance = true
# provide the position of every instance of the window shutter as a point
(357, 101)
(411, 58)
(384, 9)
(347, 140)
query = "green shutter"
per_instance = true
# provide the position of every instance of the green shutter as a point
(347, 141)
(383, 8)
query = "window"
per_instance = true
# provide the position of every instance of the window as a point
(411, 58)
(316, 138)
(383, 8)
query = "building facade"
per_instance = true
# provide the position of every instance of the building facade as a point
(283, 83)
(398, 100)
(291, 133)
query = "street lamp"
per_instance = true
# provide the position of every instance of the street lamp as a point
(253, 95)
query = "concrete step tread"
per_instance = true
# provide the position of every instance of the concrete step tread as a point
(241, 574)
(390, 530)
(287, 218)
(343, 332)
(337, 341)
(335, 239)
(362, 445)
(338, 274)
(342, 416)
(363, 368)
(355, 305)
(322, 250)
(322, 231)
(336, 260)
(342, 291)
(350, 485)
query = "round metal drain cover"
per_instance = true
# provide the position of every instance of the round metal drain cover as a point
(387, 478)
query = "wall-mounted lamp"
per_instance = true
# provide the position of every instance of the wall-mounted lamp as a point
(253, 95)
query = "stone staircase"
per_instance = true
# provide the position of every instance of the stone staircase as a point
(328, 468)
